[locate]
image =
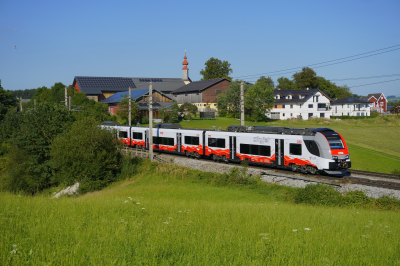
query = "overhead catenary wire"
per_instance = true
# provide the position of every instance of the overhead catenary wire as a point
(359, 56)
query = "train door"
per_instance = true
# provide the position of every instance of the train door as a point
(146, 139)
(279, 152)
(179, 142)
(232, 148)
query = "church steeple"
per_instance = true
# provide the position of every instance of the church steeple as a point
(185, 70)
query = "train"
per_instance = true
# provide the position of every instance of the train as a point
(305, 150)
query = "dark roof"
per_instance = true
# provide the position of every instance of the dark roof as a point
(376, 95)
(350, 100)
(198, 85)
(165, 85)
(96, 85)
(135, 94)
(295, 95)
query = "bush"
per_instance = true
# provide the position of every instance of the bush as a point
(86, 154)
(144, 120)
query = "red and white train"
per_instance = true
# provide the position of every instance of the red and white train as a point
(306, 150)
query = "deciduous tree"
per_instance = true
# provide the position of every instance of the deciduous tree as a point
(267, 81)
(306, 78)
(216, 68)
(286, 84)
(259, 100)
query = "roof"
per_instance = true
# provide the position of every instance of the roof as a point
(295, 95)
(350, 100)
(96, 85)
(135, 94)
(375, 95)
(198, 85)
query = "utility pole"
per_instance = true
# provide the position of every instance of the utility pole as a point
(130, 103)
(151, 121)
(69, 107)
(241, 104)
(65, 96)
(20, 103)
(34, 103)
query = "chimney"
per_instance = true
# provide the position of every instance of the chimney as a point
(185, 70)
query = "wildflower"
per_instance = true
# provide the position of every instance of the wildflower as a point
(179, 211)
(126, 201)
(365, 236)
(262, 234)
(14, 251)
(130, 198)
(294, 230)
(265, 238)
(14, 245)
(142, 208)
(170, 218)
(166, 222)
(137, 202)
(307, 229)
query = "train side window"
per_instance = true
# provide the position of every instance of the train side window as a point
(123, 134)
(156, 140)
(295, 149)
(254, 149)
(195, 140)
(192, 140)
(136, 135)
(244, 148)
(188, 140)
(217, 143)
(312, 147)
(265, 150)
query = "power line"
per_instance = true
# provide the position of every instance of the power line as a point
(280, 72)
(383, 76)
(374, 83)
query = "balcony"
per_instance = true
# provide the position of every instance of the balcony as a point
(323, 109)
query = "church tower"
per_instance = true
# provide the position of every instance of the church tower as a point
(185, 70)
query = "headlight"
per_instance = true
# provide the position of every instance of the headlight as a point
(334, 157)
(347, 157)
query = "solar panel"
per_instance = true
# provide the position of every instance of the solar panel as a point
(105, 83)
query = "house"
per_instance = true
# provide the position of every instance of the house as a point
(303, 104)
(351, 107)
(100, 88)
(201, 93)
(379, 100)
(141, 97)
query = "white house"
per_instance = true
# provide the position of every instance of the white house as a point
(300, 104)
(351, 107)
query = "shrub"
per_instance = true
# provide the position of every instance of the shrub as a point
(86, 154)
(144, 120)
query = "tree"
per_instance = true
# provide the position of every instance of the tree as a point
(32, 137)
(267, 81)
(216, 68)
(123, 110)
(286, 84)
(229, 101)
(188, 108)
(396, 108)
(306, 78)
(173, 115)
(332, 90)
(98, 111)
(259, 100)
(7, 101)
(87, 154)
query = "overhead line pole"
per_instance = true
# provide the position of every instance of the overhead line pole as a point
(241, 104)
(66, 96)
(130, 104)
(151, 121)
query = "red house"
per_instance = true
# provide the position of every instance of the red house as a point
(379, 100)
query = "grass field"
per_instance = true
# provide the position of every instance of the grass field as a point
(374, 143)
(161, 217)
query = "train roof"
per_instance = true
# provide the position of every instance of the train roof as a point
(277, 130)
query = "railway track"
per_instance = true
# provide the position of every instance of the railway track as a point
(278, 172)
(374, 174)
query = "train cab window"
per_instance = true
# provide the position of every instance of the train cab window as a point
(334, 140)
(122, 134)
(192, 140)
(295, 149)
(217, 143)
(136, 135)
(312, 147)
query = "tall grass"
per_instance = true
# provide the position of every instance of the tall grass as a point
(176, 217)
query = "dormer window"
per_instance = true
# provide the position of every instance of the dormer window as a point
(277, 96)
(289, 97)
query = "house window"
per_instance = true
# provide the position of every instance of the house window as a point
(381, 103)
(291, 114)
(316, 98)
(362, 114)
(218, 91)
(322, 115)
(358, 114)
(197, 93)
(276, 106)
(283, 114)
(283, 106)
(310, 106)
(310, 115)
(291, 106)
(185, 94)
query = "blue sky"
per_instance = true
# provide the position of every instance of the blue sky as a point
(57, 40)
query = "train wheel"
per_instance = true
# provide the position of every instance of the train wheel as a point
(312, 170)
(294, 167)
(196, 155)
(186, 154)
(224, 159)
(214, 157)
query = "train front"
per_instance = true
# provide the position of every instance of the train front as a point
(334, 152)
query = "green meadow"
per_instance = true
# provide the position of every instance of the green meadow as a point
(374, 143)
(164, 216)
